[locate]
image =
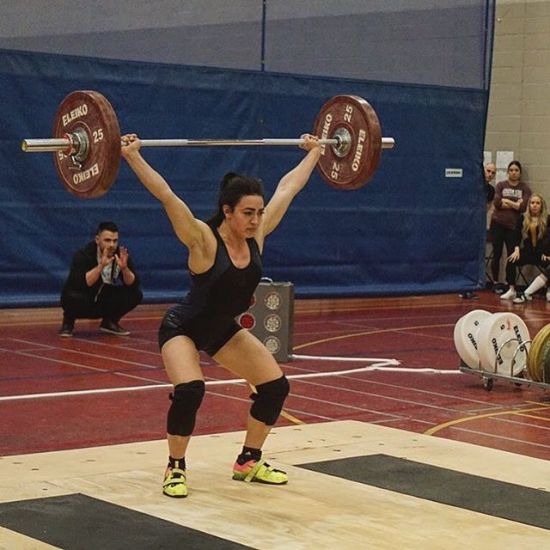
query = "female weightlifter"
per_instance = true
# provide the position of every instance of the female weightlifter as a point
(225, 266)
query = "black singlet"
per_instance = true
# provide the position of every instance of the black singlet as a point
(207, 313)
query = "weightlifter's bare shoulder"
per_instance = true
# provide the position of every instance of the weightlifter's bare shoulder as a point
(202, 251)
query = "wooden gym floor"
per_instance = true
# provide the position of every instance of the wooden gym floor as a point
(414, 456)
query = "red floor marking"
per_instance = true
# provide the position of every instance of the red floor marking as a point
(416, 331)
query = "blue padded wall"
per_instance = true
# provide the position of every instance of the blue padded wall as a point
(410, 230)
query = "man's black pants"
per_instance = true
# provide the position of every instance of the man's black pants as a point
(112, 303)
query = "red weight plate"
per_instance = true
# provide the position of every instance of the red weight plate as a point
(88, 113)
(354, 116)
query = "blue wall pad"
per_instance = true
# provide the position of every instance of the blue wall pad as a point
(410, 230)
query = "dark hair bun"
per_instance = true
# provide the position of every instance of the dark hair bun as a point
(227, 178)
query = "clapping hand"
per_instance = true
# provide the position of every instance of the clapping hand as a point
(122, 258)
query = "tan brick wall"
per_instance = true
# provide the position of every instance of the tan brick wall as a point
(519, 102)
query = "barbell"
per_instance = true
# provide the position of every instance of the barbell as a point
(86, 143)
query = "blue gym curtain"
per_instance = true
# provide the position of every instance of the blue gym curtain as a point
(244, 70)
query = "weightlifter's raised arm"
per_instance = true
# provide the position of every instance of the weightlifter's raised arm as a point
(291, 184)
(187, 228)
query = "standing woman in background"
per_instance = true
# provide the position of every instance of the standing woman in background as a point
(511, 200)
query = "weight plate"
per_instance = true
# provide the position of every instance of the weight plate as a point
(352, 117)
(88, 114)
(465, 336)
(538, 354)
(502, 344)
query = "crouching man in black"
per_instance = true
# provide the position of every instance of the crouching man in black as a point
(102, 284)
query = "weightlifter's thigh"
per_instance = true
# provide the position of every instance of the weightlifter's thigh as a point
(248, 358)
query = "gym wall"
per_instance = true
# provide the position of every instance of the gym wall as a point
(519, 109)
(267, 73)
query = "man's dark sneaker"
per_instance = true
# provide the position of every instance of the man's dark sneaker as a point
(113, 328)
(468, 295)
(66, 330)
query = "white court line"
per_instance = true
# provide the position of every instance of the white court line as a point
(81, 392)
(487, 406)
(380, 366)
(349, 359)
(383, 365)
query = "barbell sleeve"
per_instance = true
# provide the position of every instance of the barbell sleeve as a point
(45, 145)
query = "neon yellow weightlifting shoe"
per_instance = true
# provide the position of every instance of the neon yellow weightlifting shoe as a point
(260, 472)
(175, 483)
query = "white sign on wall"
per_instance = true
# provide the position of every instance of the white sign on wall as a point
(453, 172)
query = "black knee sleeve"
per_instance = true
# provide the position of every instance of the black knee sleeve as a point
(186, 400)
(268, 402)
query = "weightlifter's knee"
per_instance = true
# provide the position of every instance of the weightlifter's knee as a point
(268, 402)
(186, 400)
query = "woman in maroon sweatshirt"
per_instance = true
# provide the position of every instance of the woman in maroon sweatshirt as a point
(511, 200)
